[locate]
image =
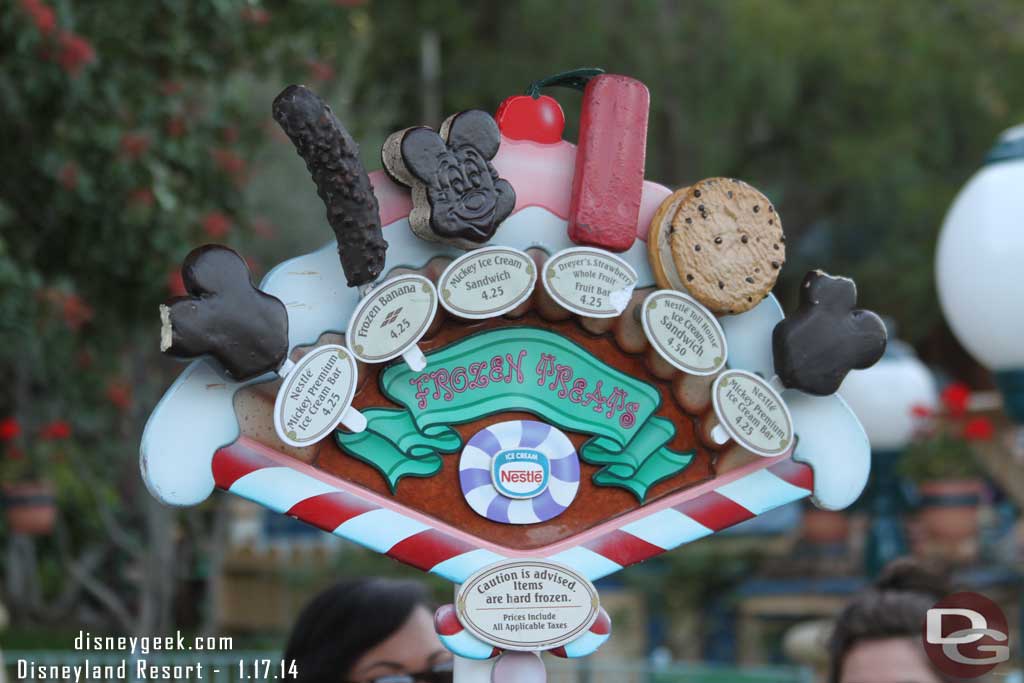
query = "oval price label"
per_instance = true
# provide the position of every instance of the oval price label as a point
(392, 318)
(589, 282)
(527, 605)
(684, 332)
(315, 395)
(487, 282)
(752, 413)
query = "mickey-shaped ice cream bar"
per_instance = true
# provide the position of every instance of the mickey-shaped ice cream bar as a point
(245, 330)
(224, 316)
(721, 240)
(332, 157)
(826, 337)
(813, 351)
(457, 195)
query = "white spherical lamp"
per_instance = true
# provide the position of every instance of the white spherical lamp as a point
(884, 396)
(979, 264)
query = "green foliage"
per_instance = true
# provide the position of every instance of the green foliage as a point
(944, 456)
(685, 581)
(130, 134)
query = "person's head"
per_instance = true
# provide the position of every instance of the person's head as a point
(365, 630)
(877, 637)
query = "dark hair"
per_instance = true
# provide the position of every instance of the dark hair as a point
(345, 621)
(894, 606)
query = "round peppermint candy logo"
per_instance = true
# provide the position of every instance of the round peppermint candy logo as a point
(520, 472)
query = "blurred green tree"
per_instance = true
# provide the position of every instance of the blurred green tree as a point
(132, 133)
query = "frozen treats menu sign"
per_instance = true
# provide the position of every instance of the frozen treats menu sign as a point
(527, 605)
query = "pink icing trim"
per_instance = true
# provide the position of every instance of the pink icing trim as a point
(395, 200)
(540, 173)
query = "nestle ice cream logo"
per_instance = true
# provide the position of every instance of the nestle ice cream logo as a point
(520, 473)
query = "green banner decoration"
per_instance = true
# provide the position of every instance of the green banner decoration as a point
(394, 445)
(522, 369)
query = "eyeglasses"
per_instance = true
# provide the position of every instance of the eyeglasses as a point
(439, 673)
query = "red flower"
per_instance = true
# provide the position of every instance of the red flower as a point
(275, 132)
(119, 394)
(979, 429)
(216, 224)
(74, 52)
(142, 196)
(176, 126)
(171, 87)
(133, 145)
(320, 71)
(175, 283)
(55, 431)
(954, 398)
(67, 176)
(41, 15)
(263, 227)
(920, 410)
(9, 429)
(254, 268)
(75, 311)
(229, 162)
(255, 15)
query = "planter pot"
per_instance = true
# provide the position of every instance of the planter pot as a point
(949, 508)
(825, 526)
(30, 507)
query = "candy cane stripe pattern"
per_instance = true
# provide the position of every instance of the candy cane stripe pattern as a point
(457, 639)
(519, 472)
(254, 471)
(590, 641)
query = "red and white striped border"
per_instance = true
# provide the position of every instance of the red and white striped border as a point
(256, 472)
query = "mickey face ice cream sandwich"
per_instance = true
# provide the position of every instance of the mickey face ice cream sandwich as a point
(457, 195)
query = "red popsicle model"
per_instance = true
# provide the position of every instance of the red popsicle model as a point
(609, 176)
